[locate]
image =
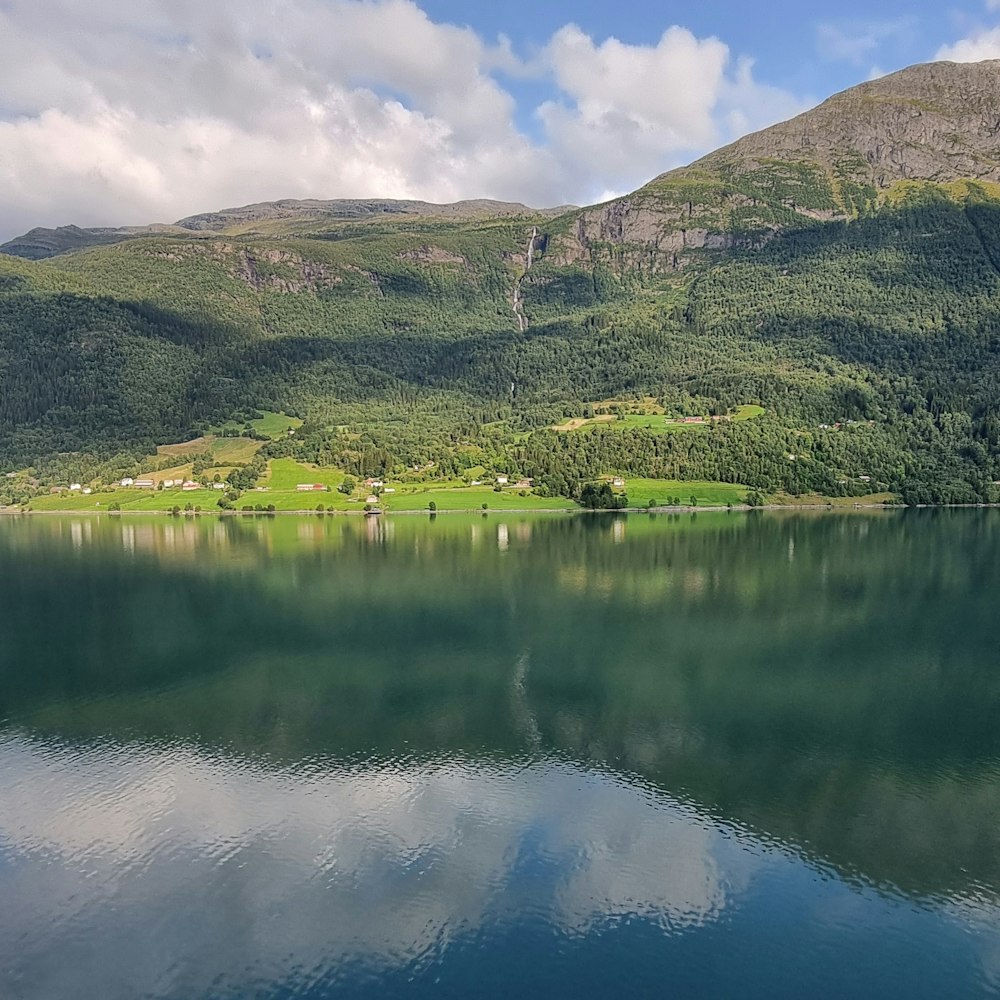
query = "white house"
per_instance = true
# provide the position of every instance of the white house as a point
(76, 487)
(218, 486)
(167, 483)
(502, 480)
(389, 489)
(618, 481)
(127, 481)
(372, 499)
(87, 491)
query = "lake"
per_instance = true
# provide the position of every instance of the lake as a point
(719, 754)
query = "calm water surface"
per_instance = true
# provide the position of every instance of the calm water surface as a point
(569, 757)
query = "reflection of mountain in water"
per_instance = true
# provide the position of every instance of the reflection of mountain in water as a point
(826, 680)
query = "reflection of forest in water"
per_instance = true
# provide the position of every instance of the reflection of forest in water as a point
(825, 679)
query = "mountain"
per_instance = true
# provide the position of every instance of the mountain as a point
(284, 216)
(359, 210)
(938, 122)
(839, 272)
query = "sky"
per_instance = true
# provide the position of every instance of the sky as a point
(126, 112)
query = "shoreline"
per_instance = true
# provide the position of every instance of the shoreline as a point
(741, 508)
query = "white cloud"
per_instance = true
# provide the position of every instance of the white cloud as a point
(633, 110)
(983, 44)
(114, 114)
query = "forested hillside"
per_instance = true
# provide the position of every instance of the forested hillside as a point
(869, 336)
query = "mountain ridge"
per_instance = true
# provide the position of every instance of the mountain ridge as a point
(41, 242)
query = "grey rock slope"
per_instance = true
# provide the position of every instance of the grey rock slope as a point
(936, 122)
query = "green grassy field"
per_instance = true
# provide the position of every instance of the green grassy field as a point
(814, 500)
(286, 474)
(408, 499)
(472, 498)
(129, 499)
(641, 491)
(286, 500)
(274, 425)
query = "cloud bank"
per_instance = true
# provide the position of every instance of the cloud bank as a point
(124, 114)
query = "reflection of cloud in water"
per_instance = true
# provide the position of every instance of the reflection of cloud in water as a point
(129, 870)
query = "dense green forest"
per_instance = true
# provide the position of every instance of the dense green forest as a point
(871, 343)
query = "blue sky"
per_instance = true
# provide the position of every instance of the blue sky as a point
(790, 40)
(114, 113)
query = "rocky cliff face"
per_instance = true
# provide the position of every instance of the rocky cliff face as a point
(935, 122)
(938, 123)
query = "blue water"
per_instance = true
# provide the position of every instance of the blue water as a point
(749, 756)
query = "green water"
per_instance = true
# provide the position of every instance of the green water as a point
(708, 755)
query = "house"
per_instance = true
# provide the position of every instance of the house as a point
(75, 487)
(144, 484)
(389, 489)
(218, 486)
(476, 482)
(127, 481)
(374, 484)
(188, 486)
(309, 487)
(87, 491)
(502, 480)
(525, 484)
(167, 483)
(618, 481)
(372, 499)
